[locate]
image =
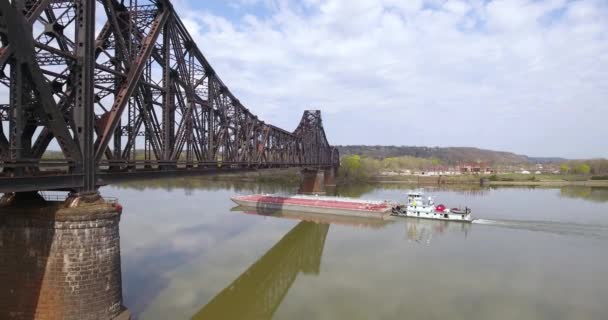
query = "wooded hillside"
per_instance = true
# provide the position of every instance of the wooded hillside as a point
(449, 155)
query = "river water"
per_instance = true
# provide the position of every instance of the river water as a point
(533, 253)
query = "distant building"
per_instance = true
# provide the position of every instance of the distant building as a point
(396, 173)
(440, 171)
(475, 168)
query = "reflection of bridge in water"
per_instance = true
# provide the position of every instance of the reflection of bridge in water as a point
(258, 292)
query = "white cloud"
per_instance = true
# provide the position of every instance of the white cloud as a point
(457, 7)
(510, 74)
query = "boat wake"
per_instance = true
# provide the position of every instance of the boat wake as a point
(561, 228)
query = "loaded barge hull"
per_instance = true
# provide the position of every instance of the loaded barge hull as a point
(316, 204)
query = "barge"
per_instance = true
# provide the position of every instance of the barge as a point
(318, 204)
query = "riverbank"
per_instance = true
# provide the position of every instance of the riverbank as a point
(500, 180)
(292, 176)
(554, 183)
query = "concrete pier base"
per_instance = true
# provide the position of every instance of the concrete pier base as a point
(330, 181)
(60, 260)
(329, 177)
(318, 181)
(313, 182)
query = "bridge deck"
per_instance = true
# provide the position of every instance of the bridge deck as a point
(50, 179)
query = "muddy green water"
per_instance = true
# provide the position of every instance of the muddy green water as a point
(533, 254)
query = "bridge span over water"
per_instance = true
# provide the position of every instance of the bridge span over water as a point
(123, 91)
(126, 93)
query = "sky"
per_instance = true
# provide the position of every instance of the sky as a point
(526, 76)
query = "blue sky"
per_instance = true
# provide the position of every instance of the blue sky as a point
(525, 76)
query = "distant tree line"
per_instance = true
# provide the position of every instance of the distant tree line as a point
(447, 155)
(356, 167)
(593, 166)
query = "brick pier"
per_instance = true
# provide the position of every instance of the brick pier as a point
(60, 260)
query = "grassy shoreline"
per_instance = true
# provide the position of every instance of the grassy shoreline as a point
(499, 180)
(292, 177)
(590, 183)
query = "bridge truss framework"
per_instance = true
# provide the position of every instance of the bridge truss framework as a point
(133, 99)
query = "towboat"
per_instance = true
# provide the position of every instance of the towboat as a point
(418, 207)
(318, 204)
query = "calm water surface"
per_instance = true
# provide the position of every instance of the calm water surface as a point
(533, 254)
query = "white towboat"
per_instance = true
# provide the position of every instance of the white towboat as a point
(418, 207)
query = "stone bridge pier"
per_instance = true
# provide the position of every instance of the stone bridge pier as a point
(60, 260)
(318, 181)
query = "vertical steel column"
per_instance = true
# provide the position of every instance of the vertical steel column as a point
(192, 103)
(84, 107)
(132, 131)
(118, 133)
(210, 124)
(168, 98)
(118, 142)
(17, 111)
(17, 106)
(237, 128)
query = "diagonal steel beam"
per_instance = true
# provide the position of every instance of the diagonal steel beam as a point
(31, 17)
(129, 85)
(3, 143)
(46, 136)
(19, 35)
(118, 27)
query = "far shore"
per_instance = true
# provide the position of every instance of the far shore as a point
(589, 183)
(600, 183)
(556, 181)
(476, 180)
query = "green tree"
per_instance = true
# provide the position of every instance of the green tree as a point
(370, 166)
(355, 167)
(350, 166)
(564, 168)
(391, 163)
(582, 168)
(435, 161)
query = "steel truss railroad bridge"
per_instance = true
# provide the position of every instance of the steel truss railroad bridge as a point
(134, 98)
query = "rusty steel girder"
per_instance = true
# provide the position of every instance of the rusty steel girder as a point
(138, 95)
